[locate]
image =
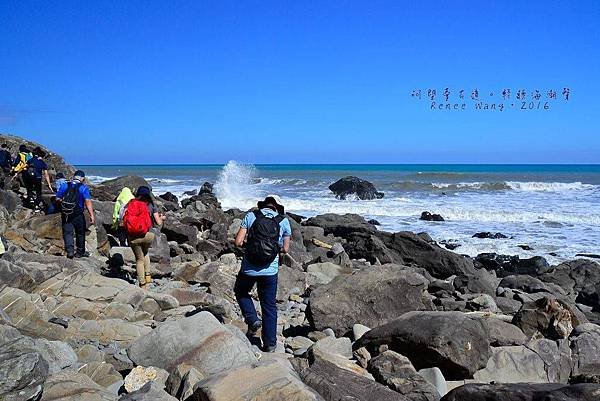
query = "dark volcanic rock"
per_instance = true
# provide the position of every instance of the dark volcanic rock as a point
(487, 234)
(431, 217)
(585, 346)
(372, 296)
(552, 318)
(169, 197)
(505, 265)
(341, 225)
(412, 249)
(370, 247)
(336, 384)
(579, 278)
(451, 341)
(524, 392)
(354, 186)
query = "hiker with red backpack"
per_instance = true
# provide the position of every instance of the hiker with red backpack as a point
(267, 233)
(138, 220)
(74, 197)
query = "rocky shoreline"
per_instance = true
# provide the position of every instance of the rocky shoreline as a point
(363, 313)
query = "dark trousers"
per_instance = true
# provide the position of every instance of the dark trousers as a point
(74, 223)
(267, 291)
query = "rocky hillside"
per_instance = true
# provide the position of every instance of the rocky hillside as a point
(363, 314)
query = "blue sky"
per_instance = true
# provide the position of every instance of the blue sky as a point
(299, 82)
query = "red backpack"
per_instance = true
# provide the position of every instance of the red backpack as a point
(137, 219)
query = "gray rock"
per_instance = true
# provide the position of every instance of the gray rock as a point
(151, 391)
(585, 344)
(503, 333)
(323, 273)
(74, 386)
(199, 340)
(340, 346)
(451, 341)
(372, 296)
(359, 330)
(524, 392)
(436, 378)
(396, 372)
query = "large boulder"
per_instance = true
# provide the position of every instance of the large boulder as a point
(22, 368)
(524, 392)
(74, 386)
(585, 345)
(549, 317)
(341, 225)
(350, 185)
(452, 341)
(410, 248)
(505, 265)
(336, 384)
(368, 246)
(199, 340)
(372, 296)
(539, 361)
(396, 372)
(270, 380)
(579, 278)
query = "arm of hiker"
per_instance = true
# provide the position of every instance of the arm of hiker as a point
(240, 236)
(286, 245)
(47, 177)
(90, 209)
(159, 218)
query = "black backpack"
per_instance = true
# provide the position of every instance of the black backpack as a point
(70, 201)
(262, 246)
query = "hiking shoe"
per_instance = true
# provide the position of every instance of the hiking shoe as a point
(69, 256)
(270, 348)
(254, 327)
(82, 255)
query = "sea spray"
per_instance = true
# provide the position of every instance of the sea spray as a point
(236, 186)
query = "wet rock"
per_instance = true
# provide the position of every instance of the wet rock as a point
(489, 235)
(350, 185)
(413, 250)
(431, 217)
(452, 341)
(372, 296)
(341, 225)
(169, 197)
(505, 265)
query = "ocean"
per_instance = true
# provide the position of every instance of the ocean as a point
(553, 209)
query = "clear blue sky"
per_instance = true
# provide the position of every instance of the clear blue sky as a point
(298, 81)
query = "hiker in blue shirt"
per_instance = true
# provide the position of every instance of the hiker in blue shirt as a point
(267, 233)
(74, 197)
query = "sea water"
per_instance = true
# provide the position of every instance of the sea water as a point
(553, 209)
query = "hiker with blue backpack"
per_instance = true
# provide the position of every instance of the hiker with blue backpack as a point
(74, 196)
(266, 233)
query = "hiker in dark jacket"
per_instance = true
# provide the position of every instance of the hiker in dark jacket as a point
(74, 197)
(36, 170)
(6, 161)
(267, 233)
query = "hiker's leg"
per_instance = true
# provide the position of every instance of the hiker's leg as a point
(138, 251)
(148, 239)
(267, 293)
(242, 288)
(67, 228)
(79, 225)
(38, 192)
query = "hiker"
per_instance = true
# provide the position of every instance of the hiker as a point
(138, 218)
(36, 169)
(74, 196)
(19, 167)
(267, 233)
(6, 161)
(124, 197)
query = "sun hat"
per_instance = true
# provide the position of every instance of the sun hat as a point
(272, 200)
(144, 191)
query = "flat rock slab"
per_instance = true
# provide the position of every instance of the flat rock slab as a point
(524, 392)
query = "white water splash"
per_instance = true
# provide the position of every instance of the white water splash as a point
(235, 186)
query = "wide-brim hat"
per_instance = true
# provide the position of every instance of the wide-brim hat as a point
(272, 200)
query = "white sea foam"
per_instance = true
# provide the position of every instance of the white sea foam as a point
(97, 179)
(549, 186)
(234, 186)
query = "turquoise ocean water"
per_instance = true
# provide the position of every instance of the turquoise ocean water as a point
(555, 209)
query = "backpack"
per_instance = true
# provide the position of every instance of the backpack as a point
(70, 201)
(262, 246)
(137, 221)
(23, 159)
